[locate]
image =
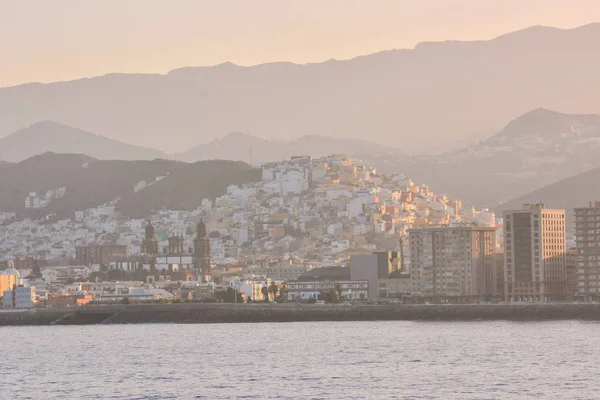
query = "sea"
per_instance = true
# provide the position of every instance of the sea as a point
(312, 360)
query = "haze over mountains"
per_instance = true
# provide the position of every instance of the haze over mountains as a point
(536, 149)
(414, 99)
(48, 136)
(533, 150)
(568, 194)
(244, 147)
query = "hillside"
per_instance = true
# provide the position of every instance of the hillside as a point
(416, 98)
(185, 187)
(48, 136)
(533, 150)
(576, 191)
(244, 147)
(90, 182)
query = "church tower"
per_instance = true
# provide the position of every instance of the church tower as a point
(150, 244)
(202, 251)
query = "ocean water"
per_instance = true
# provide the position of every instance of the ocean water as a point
(322, 360)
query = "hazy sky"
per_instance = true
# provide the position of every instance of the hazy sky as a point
(54, 40)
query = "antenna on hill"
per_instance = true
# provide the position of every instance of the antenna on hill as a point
(250, 156)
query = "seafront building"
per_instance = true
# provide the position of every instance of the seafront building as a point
(535, 254)
(587, 252)
(452, 264)
(373, 268)
(19, 297)
(306, 290)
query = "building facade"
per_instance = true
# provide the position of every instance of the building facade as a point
(452, 264)
(19, 297)
(587, 252)
(99, 254)
(351, 290)
(9, 278)
(373, 267)
(535, 254)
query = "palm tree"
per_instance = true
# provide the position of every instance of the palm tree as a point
(273, 289)
(339, 289)
(265, 292)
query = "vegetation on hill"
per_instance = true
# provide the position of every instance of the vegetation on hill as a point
(90, 182)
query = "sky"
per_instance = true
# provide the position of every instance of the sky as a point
(46, 41)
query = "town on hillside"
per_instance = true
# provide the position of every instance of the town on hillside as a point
(312, 230)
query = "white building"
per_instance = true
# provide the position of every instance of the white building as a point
(351, 290)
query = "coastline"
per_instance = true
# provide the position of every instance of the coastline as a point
(195, 313)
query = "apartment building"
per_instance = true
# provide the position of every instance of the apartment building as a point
(452, 264)
(535, 254)
(587, 252)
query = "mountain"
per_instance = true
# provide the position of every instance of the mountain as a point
(244, 147)
(532, 151)
(576, 191)
(48, 136)
(413, 99)
(184, 188)
(89, 182)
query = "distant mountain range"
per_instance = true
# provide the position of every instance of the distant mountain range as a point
(90, 182)
(48, 136)
(243, 147)
(436, 93)
(532, 151)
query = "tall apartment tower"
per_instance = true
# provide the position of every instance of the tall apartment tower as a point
(454, 264)
(535, 254)
(587, 252)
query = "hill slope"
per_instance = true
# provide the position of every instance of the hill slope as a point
(417, 98)
(576, 191)
(48, 136)
(90, 182)
(532, 151)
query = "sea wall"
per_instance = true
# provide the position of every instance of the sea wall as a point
(233, 313)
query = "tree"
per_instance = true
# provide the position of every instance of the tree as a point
(126, 300)
(333, 296)
(273, 289)
(339, 289)
(265, 292)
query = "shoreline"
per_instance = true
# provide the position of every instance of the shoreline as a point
(196, 313)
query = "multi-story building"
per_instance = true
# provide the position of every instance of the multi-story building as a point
(587, 252)
(351, 290)
(373, 267)
(452, 264)
(535, 254)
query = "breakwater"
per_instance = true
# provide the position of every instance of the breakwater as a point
(239, 313)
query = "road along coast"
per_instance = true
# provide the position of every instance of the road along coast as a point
(239, 313)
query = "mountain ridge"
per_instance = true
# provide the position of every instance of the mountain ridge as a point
(561, 194)
(53, 137)
(387, 96)
(50, 136)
